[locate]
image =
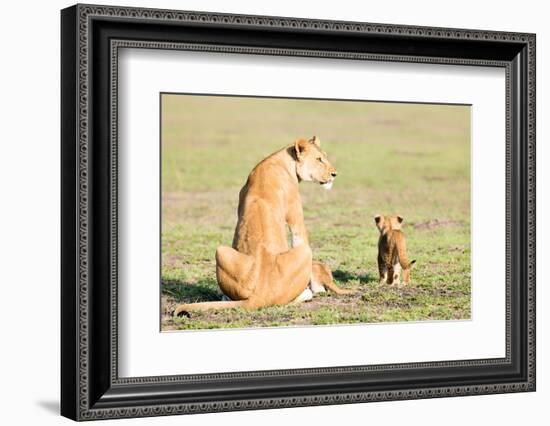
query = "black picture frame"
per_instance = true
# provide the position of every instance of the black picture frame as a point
(90, 386)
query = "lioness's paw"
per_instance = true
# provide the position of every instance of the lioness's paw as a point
(305, 296)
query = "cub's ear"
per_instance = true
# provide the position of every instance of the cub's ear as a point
(315, 141)
(300, 145)
(412, 263)
(400, 218)
(380, 223)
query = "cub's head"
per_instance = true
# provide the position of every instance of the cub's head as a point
(312, 164)
(387, 223)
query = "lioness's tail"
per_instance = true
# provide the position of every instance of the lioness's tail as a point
(185, 308)
(402, 252)
(323, 275)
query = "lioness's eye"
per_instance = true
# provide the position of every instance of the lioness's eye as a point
(320, 159)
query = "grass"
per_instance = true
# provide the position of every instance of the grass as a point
(407, 158)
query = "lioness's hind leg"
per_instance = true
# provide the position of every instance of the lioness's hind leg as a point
(293, 272)
(233, 272)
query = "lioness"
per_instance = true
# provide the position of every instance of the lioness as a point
(260, 269)
(392, 250)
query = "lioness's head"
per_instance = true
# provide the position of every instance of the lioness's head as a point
(312, 164)
(387, 223)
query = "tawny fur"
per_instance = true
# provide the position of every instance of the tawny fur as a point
(392, 251)
(321, 278)
(260, 269)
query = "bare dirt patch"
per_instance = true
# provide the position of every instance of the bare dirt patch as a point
(436, 223)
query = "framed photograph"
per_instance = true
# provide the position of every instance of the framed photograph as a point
(263, 212)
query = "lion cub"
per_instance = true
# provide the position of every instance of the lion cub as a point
(392, 250)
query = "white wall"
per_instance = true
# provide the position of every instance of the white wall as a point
(29, 225)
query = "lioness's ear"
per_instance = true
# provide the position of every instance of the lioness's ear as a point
(412, 263)
(377, 218)
(300, 145)
(400, 218)
(316, 141)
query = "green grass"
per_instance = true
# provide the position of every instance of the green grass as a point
(391, 158)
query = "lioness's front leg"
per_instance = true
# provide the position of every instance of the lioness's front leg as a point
(321, 275)
(299, 235)
(295, 221)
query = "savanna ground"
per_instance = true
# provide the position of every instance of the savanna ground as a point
(410, 159)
